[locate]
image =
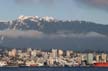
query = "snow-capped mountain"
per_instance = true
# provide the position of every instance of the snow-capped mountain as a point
(36, 18)
(47, 32)
(29, 22)
(51, 24)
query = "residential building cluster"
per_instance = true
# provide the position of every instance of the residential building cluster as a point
(52, 58)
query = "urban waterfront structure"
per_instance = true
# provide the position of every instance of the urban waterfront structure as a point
(52, 58)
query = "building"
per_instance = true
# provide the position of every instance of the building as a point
(33, 53)
(50, 61)
(69, 53)
(60, 52)
(83, 57)
(90, 58)
(12, 53)
(54, 53)
(104, 57)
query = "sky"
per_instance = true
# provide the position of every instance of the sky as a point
(87, 10)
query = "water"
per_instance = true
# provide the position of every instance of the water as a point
(53, 69)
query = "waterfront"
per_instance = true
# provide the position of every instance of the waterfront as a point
(53, 69)
(53, 58)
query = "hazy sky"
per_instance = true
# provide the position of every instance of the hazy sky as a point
(88, 10)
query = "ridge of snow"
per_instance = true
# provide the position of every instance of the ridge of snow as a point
(35, 18)
(47, 18)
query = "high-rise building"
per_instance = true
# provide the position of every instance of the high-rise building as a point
(103, 57)
(54, 53)
(50, 61)
(12, 53)
(69, 53)
(9, 53)
(60, 52)
(90, 58)
(97, 58)
(83, 57)
(29, 49)
(33, 53)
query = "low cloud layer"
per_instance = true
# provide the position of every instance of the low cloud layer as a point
(40, 35)
(17, 33)
(77, 35)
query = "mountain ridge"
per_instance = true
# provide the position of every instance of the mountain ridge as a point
(48, 32)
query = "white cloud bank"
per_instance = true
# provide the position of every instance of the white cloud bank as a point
(38, 34)
(17, 33)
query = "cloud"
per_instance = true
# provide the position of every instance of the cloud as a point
(41, 35)
(77, 35)
(43, 2)
(24, 1)
(102, 4)
(24, 34)
(95, 2)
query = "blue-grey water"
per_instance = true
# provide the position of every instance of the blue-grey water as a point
(53, 69)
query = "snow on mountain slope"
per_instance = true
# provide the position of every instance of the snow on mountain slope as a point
(50, 25)
(34, 31)
(35, 18)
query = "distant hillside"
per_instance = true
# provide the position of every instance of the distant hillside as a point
(48, 32)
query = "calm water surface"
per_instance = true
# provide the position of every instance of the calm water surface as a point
(53, 69)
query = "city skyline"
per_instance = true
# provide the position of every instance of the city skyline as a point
(53, 35)
(94, 10)
(54, 58)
